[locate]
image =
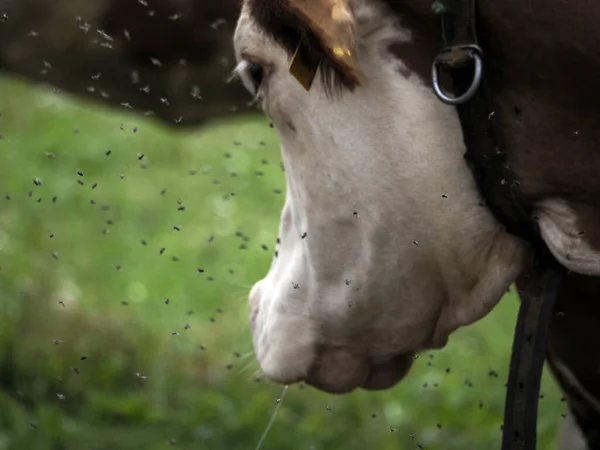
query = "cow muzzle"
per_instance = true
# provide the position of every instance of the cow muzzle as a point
(338, 371)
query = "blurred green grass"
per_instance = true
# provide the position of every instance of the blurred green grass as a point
(93, 356)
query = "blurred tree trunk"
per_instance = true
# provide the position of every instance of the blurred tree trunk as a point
(168, 58)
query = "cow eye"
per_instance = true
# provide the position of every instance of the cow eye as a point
(252, 75)
(256, 74)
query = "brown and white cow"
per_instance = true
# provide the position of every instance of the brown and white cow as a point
(396, 250)
(385, 248)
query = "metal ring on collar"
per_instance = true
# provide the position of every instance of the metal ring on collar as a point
(469, 93)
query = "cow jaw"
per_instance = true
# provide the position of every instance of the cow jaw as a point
(385, 248)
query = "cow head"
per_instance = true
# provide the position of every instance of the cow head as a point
(384, 245)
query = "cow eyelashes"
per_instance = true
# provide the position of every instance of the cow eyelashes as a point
(251, 74)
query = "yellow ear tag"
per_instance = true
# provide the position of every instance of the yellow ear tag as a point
(303, 67)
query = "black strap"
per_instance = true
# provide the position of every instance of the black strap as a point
(485, 154)
(458, 23)
(528, 354)
(499, 187)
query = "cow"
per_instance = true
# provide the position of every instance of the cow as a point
(386, 242)
(540, 65)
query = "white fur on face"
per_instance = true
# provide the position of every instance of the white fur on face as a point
(398, 252)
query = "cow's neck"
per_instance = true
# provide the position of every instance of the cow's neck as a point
(541, 65)
(540, 62)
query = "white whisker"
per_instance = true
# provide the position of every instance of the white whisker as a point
(280, 401)
(249, 365)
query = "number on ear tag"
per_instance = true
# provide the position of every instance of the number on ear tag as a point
(303, 66)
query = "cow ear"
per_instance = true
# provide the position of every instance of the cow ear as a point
(332, 23)
(571, 232)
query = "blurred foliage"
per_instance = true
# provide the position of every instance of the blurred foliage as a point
(126, 254)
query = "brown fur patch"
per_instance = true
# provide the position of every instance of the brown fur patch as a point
(288, 27)
(426, 40)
